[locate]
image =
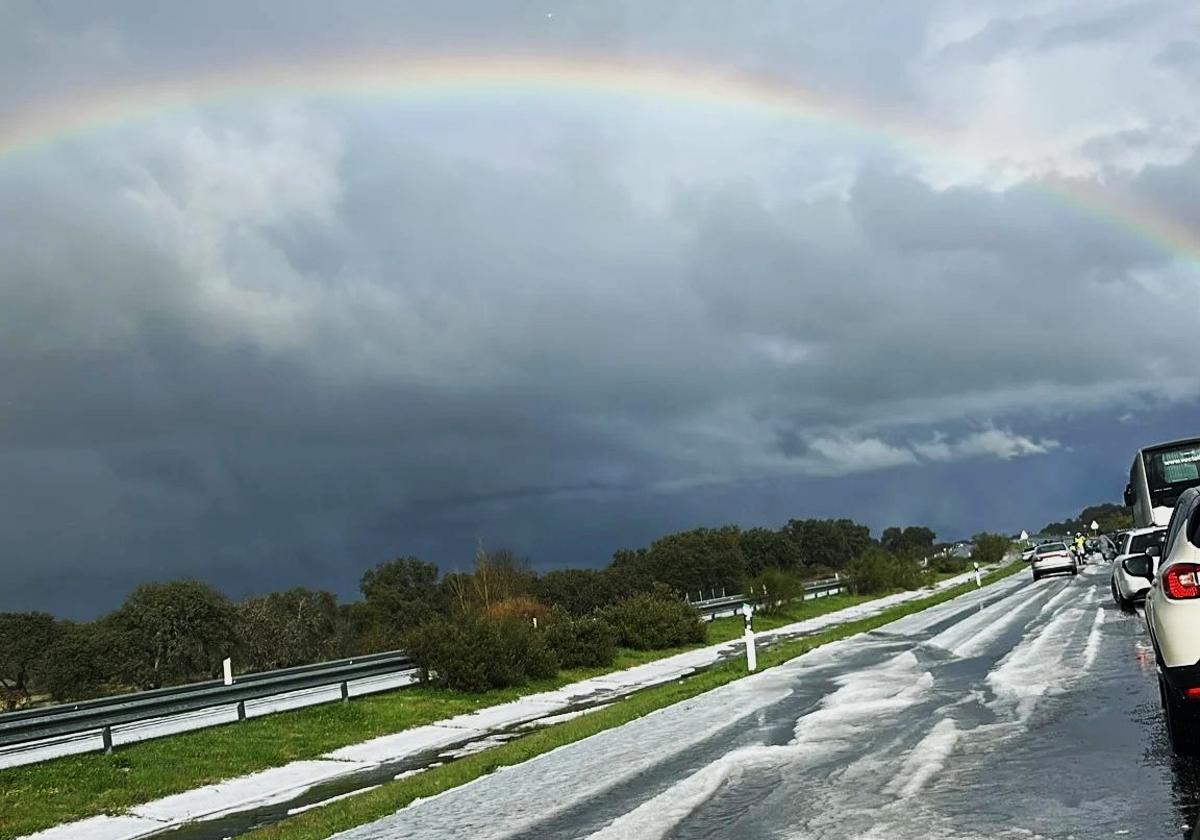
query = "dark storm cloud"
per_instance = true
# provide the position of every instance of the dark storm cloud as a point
(271, 345)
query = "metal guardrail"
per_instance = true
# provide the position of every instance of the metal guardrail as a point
(714, 607)
(47, 724)
(103, 714)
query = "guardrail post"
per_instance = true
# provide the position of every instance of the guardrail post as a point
(106, 738)
(241, 710)
(345, 691)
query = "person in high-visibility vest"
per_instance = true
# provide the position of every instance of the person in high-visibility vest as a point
(1079, 542)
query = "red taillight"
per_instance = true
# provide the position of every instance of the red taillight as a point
(1182, 581)
(1192, 693)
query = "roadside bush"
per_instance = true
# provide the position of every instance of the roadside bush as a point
(520, 607)
(477, 653)
(580, 642)
(877, 571)
(779, 586)
(283, 629)
(74, 665)
(990, 548)
(819, 572)
(578, 591)
(654, 620)
(949, 564)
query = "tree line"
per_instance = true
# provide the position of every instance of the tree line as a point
(1110, 517)
(168, 633)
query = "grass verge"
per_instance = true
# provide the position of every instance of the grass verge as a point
(339, 816)
(39, 796)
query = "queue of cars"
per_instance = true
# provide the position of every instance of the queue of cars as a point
(1159, 563)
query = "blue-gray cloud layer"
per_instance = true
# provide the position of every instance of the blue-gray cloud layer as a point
(273, 342)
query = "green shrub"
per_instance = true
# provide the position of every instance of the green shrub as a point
(580, 642)
(653, 621)
(990, 548)
(949, 564)
(878, 571)
(74, 665)
(579, 591)
(477, 653)
(781, 587)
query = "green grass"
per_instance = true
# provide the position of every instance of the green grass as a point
(42, 795)
(345, 814)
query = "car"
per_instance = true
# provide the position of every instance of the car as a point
(1128, 589)
(1173, 616)
(1052, 558)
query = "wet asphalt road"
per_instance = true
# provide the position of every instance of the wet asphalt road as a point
(1025, 710)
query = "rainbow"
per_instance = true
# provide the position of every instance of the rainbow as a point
(390, 77)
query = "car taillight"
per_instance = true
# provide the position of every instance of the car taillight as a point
(1192, 693)
(1182, 581)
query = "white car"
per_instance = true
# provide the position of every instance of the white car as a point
(1173, 615)
(1127, 588)
(1051, 558)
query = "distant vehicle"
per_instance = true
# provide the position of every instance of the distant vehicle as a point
(1173, 616)
(1126, 588)
(1157, 477)
(1051, 558)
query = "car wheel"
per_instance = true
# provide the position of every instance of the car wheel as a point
(1074, 571)
(1123, 603)
(1183, 721)
(1035, 574)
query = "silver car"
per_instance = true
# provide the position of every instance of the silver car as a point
(1126, 588)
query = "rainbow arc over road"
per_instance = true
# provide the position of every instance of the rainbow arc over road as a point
(391, 77)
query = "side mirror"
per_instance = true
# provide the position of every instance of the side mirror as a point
(1128, 495)
(1154, 551)
(1140, 565)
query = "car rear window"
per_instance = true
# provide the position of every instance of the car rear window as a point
(1050, 548)
(1141, 542)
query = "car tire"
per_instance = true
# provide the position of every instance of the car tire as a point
(1035, 575)
(1123, 603)
(1183, 721)
(1074, 571)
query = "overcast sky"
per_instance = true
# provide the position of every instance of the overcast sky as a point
(272, 339)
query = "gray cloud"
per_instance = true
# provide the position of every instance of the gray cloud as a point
(271, 343)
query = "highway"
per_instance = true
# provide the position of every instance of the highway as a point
(1026, 710)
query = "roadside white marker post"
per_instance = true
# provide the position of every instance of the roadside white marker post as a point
(751, 655)
(228, 666)
(978, 577)
(535, 622)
